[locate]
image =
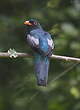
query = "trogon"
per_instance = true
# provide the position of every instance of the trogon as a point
(42, 44)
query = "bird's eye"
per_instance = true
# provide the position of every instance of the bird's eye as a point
(35, 23)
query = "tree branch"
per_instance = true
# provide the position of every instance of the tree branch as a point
(12, 53)
(65, 58)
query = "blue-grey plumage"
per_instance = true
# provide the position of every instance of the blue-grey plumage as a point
(41, 69)
(42, 45)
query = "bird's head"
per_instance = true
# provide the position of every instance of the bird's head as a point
(32, 23)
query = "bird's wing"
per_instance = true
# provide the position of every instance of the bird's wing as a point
(41, 43)
(33, 41)
(50, 41)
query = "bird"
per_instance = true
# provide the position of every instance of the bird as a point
(42, 45)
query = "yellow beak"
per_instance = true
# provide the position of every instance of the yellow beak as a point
(27, 23)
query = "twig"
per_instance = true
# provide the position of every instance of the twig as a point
(66, 58)
(12, 53)
(6, 54)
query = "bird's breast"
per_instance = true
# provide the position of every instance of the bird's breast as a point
(44, 44)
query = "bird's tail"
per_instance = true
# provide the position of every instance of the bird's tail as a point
(41, 69)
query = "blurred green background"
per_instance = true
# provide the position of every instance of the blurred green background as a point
(18, 89)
